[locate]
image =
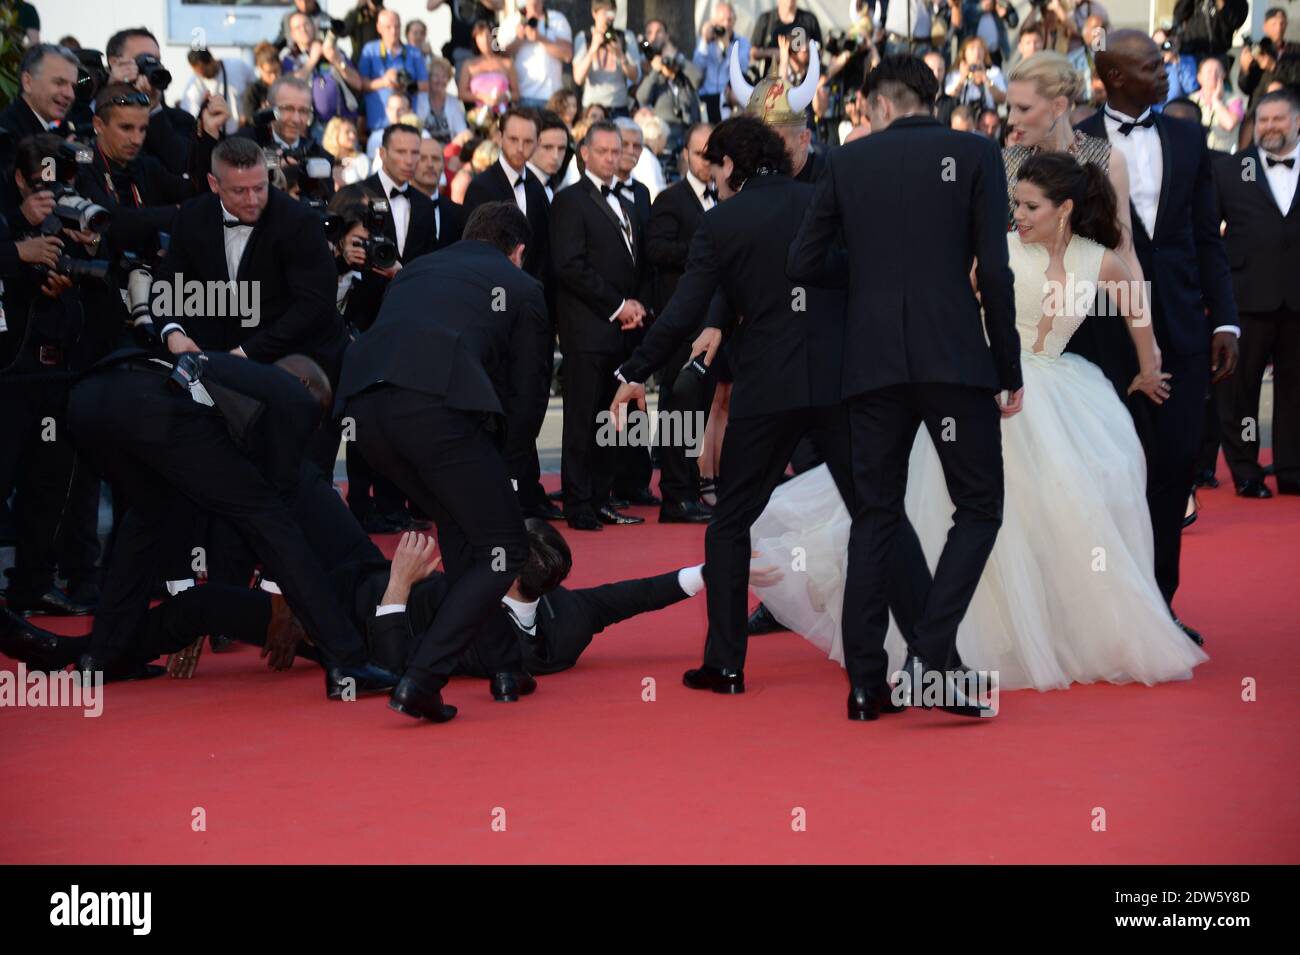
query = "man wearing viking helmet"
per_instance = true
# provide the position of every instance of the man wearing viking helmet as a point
(784, 107)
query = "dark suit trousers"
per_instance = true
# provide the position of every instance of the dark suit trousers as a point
(197, 461)
(1171, 437)
(449, 465)
(1269, 337)
(240, 613)
(754, 455)
(883, 426)
(679, 474)
(361, 478)
(586, 468)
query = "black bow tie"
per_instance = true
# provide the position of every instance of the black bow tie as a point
(710, 193)
(607, 191)
(234, 224)
(626, 187)
(397, 191)
(1126, 127)
(1289, 163)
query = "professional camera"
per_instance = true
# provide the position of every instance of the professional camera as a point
(533, 23)
(611, 36)
(331, 222)
(188, 369)
(837, 42)
(381, 251)
(151, 68)
(75, 268)
(72, 211)
(719, 33)
(406, 81)
(91, 74)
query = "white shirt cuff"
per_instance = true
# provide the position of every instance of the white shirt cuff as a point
(169, 326)
(617, 310)
(691, 579)
(270, 586)
(175, 587)
(618, 373)
(385, 609)
(1228, 328)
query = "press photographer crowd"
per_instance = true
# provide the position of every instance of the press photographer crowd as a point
(344, 245)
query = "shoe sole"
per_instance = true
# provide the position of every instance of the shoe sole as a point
(420, 715)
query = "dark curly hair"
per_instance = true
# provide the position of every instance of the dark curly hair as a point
(751, 144)
(549, 560)
(1095, 206)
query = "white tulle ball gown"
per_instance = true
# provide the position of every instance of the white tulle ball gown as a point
(1068, 594)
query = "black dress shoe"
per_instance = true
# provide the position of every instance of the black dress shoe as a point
(761, 621)
(712, 678)
(914, 690)
(509, 687)
(584, 521)
(1253, 488)
(867, 705)
(117, 671)
(413, 700)
(1192, 635)
(689, 512)
(37, 648)
(53, 602)
(1206, 478)
(220, 643)
(545, 511)
(642, 497)
(1192, 512)
(1288, 487)
(366, 679)
(84, 591)
(607, 515)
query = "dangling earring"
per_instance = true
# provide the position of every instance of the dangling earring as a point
(1060, 228)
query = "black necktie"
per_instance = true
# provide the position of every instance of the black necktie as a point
(1289, 163)
(1126, 127)
(553, 183)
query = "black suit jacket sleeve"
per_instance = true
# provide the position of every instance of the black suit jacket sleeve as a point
(992, 270)
(665, 246)
(1211, 255)
(309, 268)
(813, 243)
(686, 311)
(389, 638)
(528, 387)
(606, 605)
(166, 145)
(570, 260)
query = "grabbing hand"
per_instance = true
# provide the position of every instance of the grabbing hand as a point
(1154, 384)
(55, 285)
(1011, 405)
(766, 575)
(37, 207)
(631, 315)
(709, 341)
(416, 558)
(40, 250)
(628, 391)
(178, 343)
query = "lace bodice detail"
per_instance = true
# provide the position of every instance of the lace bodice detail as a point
(1037, 296)
(1085, 149)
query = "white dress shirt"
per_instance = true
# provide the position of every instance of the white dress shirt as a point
(399, 206)
(236, 241)
(626, 228)
(516, 180)
(543, 178)
(1281, 180)
(708, 202)
(1144, 155)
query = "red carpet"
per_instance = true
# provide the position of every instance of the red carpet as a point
(585, 771)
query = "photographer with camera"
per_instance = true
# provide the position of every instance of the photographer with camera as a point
(387, 65)
(312, 10)
(1205, 27)
(976, 80)
(1259, 62)
(283, 132)
(712, 55)
(606, 61)
(671, 83)
(213, 77)
(334, 81)
(991, 21)
(134, 57)
(541, 42)
(47, 335)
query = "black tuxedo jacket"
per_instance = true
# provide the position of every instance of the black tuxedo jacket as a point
(132, 227)
(17, 122)
(917, 204)
(1184, 261)
(594, 271)
(786, 353)
(491, 185)
(1263, 241)
(289, 259)
(567, 620)
(484, 348)
(673, 218)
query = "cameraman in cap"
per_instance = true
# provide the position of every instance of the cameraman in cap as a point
(134, 57)
(47, 335)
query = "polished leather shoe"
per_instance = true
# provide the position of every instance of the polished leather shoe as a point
(84, 591)
(117, 671)
(53, 602)
(761, 621)
(1192, 634)
(509, 687)
(584, 521)
(1288, 487)
(411, 699)
(607, 515)
(545, 511)
(688, 512)
(712, 678)
(914, 684)
(1192, 512)
(617, 502)
(867, 705)
(37, 648)
(642, 497)
(1253, 488)
(1206, 478)
(367, 679)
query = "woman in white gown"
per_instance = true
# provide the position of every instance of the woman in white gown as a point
(1068, 594)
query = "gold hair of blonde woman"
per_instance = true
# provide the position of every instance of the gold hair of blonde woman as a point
(1051, 74)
